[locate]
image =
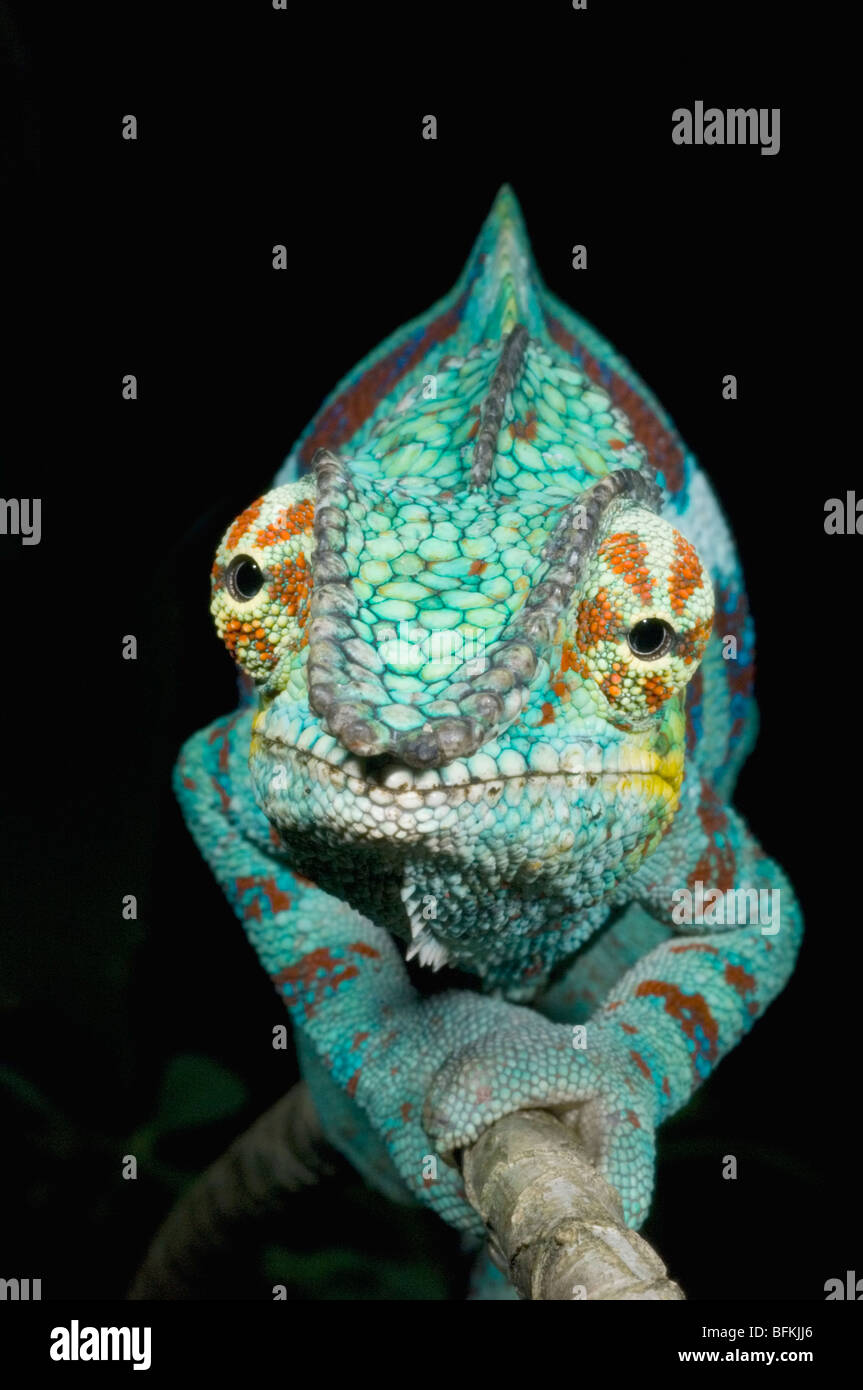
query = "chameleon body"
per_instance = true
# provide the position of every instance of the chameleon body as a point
(501, 673)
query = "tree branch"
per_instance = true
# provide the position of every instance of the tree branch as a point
(555, 1225)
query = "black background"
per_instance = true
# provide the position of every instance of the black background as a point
(154, 257)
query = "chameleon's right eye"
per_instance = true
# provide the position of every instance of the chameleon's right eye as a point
(262, 582)
(243, 578)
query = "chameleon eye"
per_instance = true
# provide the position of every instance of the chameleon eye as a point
(650, 639)
(243, 579)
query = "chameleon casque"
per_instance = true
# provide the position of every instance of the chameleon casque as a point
(486, 611)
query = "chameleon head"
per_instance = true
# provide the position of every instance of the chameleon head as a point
(463, 693)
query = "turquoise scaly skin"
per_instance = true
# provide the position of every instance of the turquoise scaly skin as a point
(500, 665)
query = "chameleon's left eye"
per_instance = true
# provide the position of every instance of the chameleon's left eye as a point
(243, 579)
(643, 618)
(650, 639)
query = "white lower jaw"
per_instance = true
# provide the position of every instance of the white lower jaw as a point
(544, 834)
(350, 812)
(424, 804)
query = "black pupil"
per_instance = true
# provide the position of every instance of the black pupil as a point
(649, 637)
(244, 577)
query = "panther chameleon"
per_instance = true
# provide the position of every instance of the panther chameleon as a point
(499, 669)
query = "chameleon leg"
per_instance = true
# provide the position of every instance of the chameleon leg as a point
(691, 998)
(341, 978)
(667, 1021)
(599, 964)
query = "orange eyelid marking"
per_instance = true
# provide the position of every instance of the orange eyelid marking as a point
(692, 643)
(686, 574)
(625, 553)
(291, 585)
(238, 636)
(656, 692)
(290, 521)
(244, 522)
(597, 621)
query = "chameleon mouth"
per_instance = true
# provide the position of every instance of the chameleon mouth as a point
(384, 781)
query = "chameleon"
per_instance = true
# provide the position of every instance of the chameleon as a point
(496, 665)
